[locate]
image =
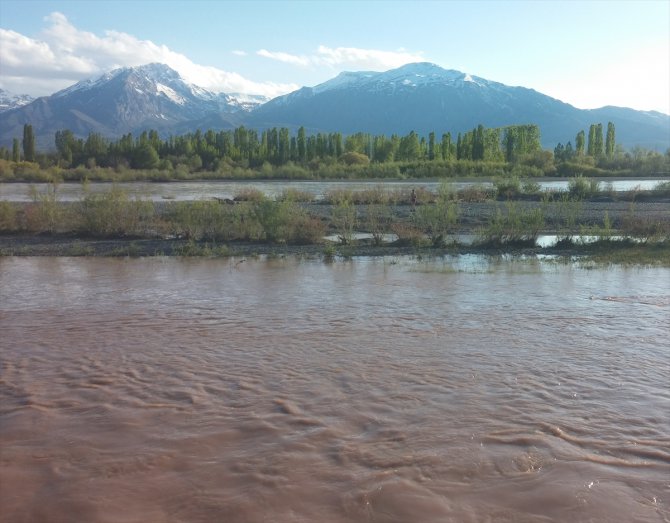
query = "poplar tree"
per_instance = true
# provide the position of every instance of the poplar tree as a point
(16, 152)
(478, 143)
(598, 146)
(446, 146)
(610, 140)
(28, 143)
(302, 145)
(579, 143)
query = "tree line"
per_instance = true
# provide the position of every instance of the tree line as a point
(596, 147)
(271, 152)
(277, 146)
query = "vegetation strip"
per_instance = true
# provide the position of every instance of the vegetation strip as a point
(499, 219)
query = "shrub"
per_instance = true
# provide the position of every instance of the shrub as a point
(8, 215)
(408, 234)
(580, 188)
(45, 214)
(645, 229)
(354, 158)
(295, 195)
(250, 194)
(378, 220)
(514, 226)
(113, 213)
(507, 187)
(566, 211)
(336, 196)
(476, 193)
(344, 219)
(208, 220)
(437, 220)
(531, 187)
(285, 222)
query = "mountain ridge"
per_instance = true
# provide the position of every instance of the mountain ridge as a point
(420, 97)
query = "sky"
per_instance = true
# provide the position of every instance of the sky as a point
(586, 53)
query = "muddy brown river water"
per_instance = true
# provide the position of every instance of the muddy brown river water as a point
(374, 390)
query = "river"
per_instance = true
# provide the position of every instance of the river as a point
(290, 390)
(184, 191)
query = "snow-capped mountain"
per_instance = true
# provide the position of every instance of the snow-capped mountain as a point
(127, 100)
(424, 97)
(12, 101)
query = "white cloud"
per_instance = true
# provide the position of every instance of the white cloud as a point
(366, 58)
(285, 57)
(64, 55)
(346, 57)
(239, 52)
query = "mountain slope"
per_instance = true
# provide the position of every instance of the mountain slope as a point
(124, 100)
(424, 97)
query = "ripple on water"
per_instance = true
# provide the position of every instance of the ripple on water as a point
(181, 390)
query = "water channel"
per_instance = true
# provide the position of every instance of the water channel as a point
(289, 390)
(21, 192)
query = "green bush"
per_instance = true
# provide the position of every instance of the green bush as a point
(295, 195)
(580, 188)
(114, 213)
(514, 226)
(46, 214)
(212, 221)
(437, 220)
(8, 217)
(344, 219)
(507, 187)
(286, 222)
(378, 221)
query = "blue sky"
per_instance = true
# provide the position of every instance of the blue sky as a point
(588, 54)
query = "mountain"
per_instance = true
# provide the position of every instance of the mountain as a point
(422, 97)
(425, 97)
(12, 101)
(131, 99)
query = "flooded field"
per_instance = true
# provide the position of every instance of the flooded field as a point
(460, 389)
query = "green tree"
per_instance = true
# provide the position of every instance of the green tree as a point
(409, 148)
(28, 143)
(16, 151)
(579, 143)
(145, 157)
(284, 146)
(431, 146)
(610, 140)
(478, 143)
(598, 147)
(446, 146)
(302, 144)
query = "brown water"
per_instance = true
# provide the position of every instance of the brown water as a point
(291, 391)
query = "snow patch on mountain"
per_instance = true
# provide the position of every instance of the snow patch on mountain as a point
(408, 76)
(170, 93)
(12, 101)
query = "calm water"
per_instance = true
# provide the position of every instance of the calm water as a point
(181, 191)
(385, 390)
